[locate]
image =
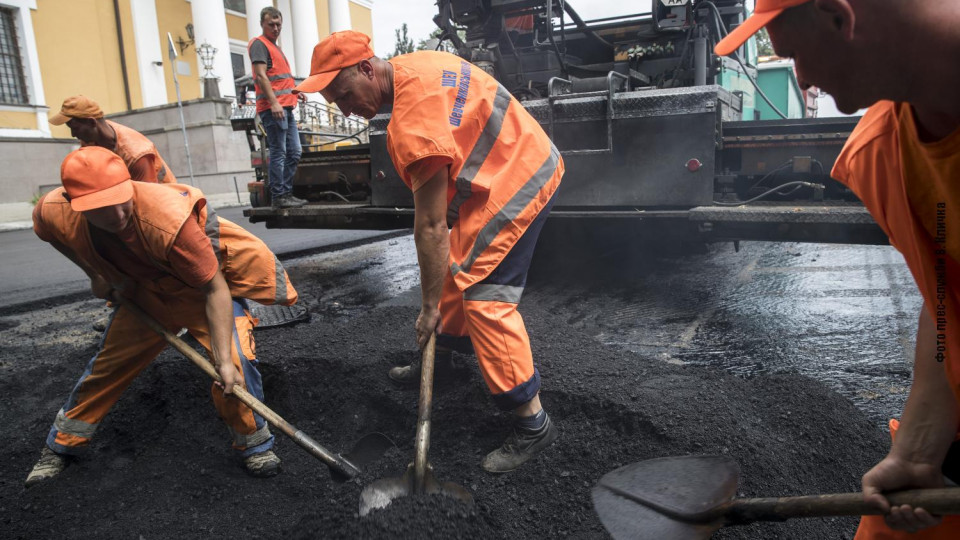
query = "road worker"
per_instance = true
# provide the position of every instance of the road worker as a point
(86, 122)
(275, 102)
(484, 176)
(163, 248)
(902, 60)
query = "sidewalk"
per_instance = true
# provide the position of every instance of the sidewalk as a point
(18, 216)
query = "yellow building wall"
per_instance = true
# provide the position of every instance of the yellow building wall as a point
(323, 18)
(237, 27)
(78, 53)
(362, 20)
(173, 16)
(19, 120)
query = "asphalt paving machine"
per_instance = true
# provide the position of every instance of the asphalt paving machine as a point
(653, 127)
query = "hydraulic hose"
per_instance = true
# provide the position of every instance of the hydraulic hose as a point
(582, 26)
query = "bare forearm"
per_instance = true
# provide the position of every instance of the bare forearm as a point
(68, 253)
(433, 252)
(219, 310)
(267, 90)
(929, 422)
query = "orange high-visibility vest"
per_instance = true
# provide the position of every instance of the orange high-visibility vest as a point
(503, 167)
(251, 270)
(281, 80)
(132, 145)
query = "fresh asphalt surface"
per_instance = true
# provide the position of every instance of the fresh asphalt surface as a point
(33, 270)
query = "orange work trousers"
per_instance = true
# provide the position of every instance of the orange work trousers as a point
(875, 528)
(484, 320)
(128, 346)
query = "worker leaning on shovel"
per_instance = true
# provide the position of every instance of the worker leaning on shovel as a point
(484, 176)
(86, 122)
(903, 161)
(163, 248)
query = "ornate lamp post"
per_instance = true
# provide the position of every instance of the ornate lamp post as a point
(211, 87)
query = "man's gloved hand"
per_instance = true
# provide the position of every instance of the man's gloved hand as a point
(894, 473)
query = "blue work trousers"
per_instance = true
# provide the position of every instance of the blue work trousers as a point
(283, 141)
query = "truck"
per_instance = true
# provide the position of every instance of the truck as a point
(656, 131)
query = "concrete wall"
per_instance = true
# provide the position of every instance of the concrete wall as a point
(29, 164)
(219, 154)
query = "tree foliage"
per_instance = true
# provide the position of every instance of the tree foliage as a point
(764, 45)
(403, 44)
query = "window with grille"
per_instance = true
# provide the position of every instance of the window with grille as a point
(13, 88)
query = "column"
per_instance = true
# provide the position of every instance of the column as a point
(210, 26)
(146, 37)
(253, 18)
(339, 15)
(286, 38)
(305, 34)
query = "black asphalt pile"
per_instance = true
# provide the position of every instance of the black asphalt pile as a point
(160, 466)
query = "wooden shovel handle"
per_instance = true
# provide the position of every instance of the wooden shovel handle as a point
(942, 501)
(332, 460)
(422, 439)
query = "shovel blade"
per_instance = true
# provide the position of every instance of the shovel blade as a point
(381, 493)
(626, 520)
(680, 496)
(369, 449)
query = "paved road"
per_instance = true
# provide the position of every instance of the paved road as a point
(33, 270)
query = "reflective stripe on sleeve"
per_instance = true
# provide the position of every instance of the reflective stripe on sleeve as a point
(510, 211)
(72, 426)
(494, 293)
(488, 137)
(212, 228)
(280, 296)
(259, 436)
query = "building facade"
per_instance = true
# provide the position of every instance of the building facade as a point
(116, 51)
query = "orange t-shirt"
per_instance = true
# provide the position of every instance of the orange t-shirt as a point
(910, 188)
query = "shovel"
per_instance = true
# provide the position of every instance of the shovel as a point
(691, 497)
(343, 467)
(418, 479)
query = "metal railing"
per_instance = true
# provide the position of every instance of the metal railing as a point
(325, 124)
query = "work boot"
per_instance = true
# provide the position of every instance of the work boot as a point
(520, 446)
(49, 465)
(444, 370)
(262, 464)
(287, 200)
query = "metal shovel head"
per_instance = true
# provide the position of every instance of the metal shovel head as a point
(370, 448)
(381, 493)
(673, 497)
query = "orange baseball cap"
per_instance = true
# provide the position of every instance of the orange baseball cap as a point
(335, 52)
(764, 12)
(94, 177)
(76, 107)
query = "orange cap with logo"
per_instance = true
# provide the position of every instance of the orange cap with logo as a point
(94, 177)
(335, 52)
(76, 107)
(764, 12)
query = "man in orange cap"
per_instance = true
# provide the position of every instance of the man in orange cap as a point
(163, 248)
(483, 175)
(86, 122)
(901, 59)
